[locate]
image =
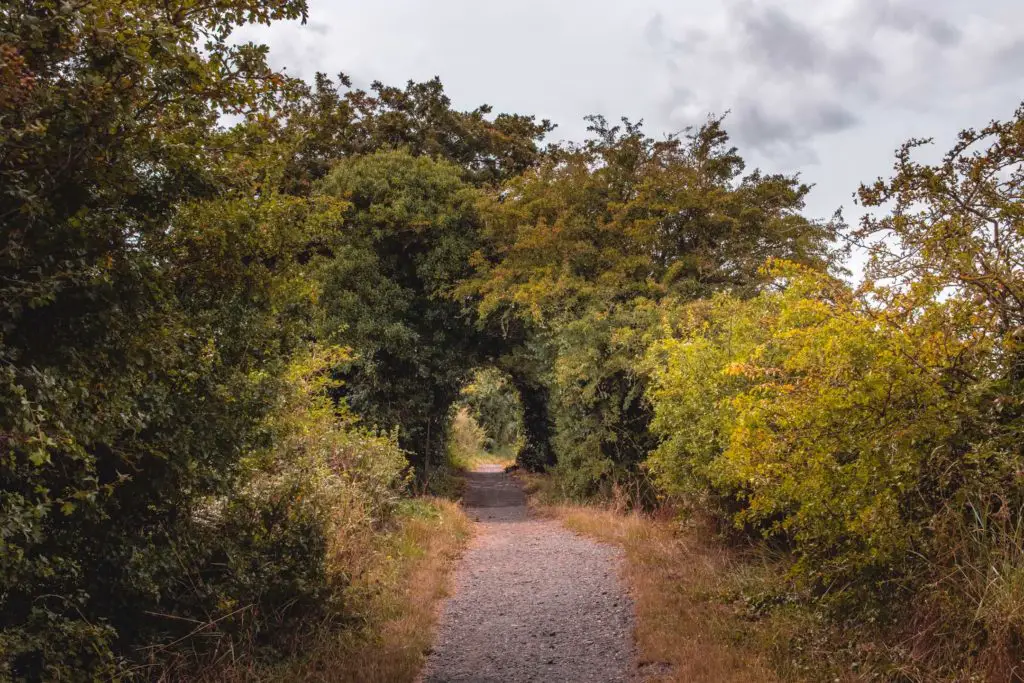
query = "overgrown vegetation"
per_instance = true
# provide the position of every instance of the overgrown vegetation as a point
(398, 580)
(229, 352)
(876, 431)
(487, 422)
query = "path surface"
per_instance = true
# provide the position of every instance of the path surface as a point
(533, 601)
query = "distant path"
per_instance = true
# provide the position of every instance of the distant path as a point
(533, 601)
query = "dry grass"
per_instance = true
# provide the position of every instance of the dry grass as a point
(402, 596)
(681, 634)
(708, 610)
(691, 624)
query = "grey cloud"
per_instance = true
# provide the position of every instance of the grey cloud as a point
(830, 117)
(1008, 61)
(788, 78)
(319, 28)
(942, 32)
(906, 18)
(789, 132)
(781, 43)
(778, 41)
(753, 123)
(686, 40)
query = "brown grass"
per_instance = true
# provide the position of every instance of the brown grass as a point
(686, 584)
(681, 634)
(709, 610)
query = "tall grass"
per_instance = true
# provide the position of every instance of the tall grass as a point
(393, 596)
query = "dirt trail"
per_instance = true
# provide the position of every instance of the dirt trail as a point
(532, 601)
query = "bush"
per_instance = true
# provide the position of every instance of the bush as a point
(827, 426)
(851, 436)
(272, 561)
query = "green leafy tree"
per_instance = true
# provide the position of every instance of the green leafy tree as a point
(877, 431)
(314, 126)
(494, 404)
(410, 229)
(953, 231)
(150, 298)
(582, 245)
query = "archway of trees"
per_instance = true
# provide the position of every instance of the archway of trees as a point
(553, 276)
(391, 294)
(223, 344)
(209, 331)
(486, 423)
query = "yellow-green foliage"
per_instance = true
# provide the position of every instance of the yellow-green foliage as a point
(466, 440)
(877, 431)
(310, 432)
(825, 422)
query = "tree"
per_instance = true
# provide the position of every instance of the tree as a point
(314, 126)
(494, 404)
(954, 233)
(581, 247)
(150, 296)
(409, 231)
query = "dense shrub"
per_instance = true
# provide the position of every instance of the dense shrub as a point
(822, 422)
(876, 432)
(129, 387)
(269, 563)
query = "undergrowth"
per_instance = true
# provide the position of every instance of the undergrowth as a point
(713, 607)
(392, 596)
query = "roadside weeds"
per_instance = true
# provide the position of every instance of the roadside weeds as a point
(685, 587)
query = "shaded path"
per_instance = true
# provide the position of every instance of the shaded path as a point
(532, 601)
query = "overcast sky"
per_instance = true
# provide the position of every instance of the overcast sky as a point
(828, 88)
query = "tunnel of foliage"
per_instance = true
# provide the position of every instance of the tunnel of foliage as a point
(227, 350)
(486, 422)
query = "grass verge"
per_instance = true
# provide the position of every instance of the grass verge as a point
(397, 600)
(709, 610)
(696, 617)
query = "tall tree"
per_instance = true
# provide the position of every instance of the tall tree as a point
(148, 294)
(316, 125)
(410, 229)
(583, 244)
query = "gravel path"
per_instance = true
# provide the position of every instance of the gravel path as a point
(533, 601)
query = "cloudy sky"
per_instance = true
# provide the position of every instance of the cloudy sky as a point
(828, 88)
